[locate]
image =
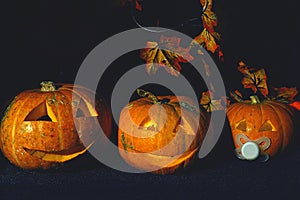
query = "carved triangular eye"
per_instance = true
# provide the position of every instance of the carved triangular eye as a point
(80, 113)
(241, 125)
(267, 126)
(39, 113)
(84, 109)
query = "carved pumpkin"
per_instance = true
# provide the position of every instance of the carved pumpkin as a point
(267, 125)
(161, 134)
(43, 127)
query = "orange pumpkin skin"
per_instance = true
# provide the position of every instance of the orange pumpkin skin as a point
(25, 138)
(150, 144)
(270, 119)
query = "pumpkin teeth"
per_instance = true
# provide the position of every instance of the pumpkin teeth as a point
(58, 156)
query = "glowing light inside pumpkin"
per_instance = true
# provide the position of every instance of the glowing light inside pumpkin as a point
(151, 125)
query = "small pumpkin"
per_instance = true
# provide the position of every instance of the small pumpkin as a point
(44, 127)
(268, 124)
(161, 134)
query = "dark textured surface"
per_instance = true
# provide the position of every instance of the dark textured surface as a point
(219, 175)
(48, 40)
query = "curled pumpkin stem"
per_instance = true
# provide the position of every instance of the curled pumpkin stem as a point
(254, 99)
(149, 95)
(47, 86)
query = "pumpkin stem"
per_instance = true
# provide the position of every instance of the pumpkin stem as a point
(254, 99)
(149, 95)
(47, 86)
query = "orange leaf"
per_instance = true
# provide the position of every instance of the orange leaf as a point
(206, 39)
(167, 53)
(210, 104)
(287, 94)
(208, 36)
(296, 104)
(254, 79)
(138, 5)
(208, 17)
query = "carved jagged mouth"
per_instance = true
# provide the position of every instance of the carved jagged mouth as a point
(58, 156)
(162, 160)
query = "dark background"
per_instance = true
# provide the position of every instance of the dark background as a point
(48, 40)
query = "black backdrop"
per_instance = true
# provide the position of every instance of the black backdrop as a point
(48, 40)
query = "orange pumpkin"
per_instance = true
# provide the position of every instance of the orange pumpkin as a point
(267, 124)
(43, 127)
(161, 134)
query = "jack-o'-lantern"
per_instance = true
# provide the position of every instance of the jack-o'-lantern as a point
(263, 128)
(43, 127)
(161, 134)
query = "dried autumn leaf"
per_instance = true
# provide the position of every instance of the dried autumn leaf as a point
(255, 79)
(206, 39)
(206, 97)
(285, 94)
(210, 104)
(245, 69)
(208, 17)
(296, 104)
(167, 53)
(208, 36)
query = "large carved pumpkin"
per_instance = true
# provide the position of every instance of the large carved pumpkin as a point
(161, 134)
(43, 127)
(267, 125)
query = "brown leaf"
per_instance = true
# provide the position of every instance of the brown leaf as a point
(296, 104)
(255, 79)
(208, 36)
(285, 93)
(167, 53)
(210, 104)
(206, 39)
(209, 18)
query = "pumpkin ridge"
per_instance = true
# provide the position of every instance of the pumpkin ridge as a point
(239, 109)
(170, 105)
(284, 143)
(13, 131)
(139, 124)
(259, 105)
(8, 108)
(61, 145)
(159, 114)
(178, 115)
(280, 125)
(144, 109)
(287, 109)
